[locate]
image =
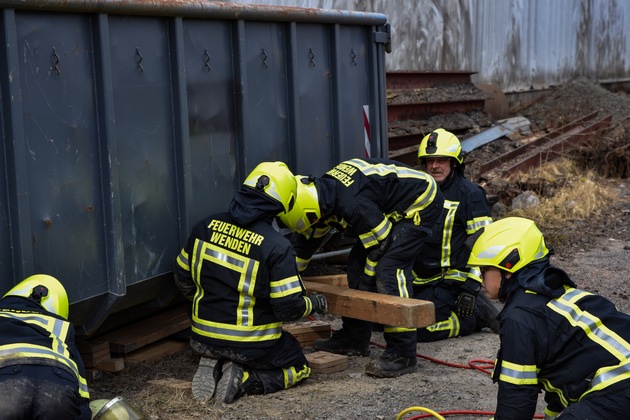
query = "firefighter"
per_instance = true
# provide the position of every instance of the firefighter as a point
(441, 272)
(572, 344)
(241, 276)
(391, 208)
(41, 371)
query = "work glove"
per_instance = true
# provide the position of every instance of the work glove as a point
(379, 250)
(466, 304)
(320, 304)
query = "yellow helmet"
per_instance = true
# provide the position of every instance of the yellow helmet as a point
(508, 244)
(114, 409)
(276, 180)
(440, 143)
(306, 211)
(45, 290)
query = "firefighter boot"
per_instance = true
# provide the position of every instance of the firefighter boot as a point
(486, 314)
(342, 342)
(390, 365)
(229, 386)
(206, 378)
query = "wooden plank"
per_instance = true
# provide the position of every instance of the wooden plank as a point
(112, 365)
(147, 331)
(156, 351)
(94, 352)
(375, 307)
(302, 327)
(324, 362)
(306, 332)
(340, 280)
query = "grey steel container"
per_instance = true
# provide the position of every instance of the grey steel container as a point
(124, 122)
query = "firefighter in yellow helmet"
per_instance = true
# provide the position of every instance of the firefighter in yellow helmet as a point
(569, 343)
(241, 276)
(41, 371)
(441, 271)
(391, 209)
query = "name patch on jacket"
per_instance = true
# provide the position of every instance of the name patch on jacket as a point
(343, 173)
(233, 237)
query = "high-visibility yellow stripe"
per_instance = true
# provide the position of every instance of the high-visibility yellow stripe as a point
(236, 333)
(450, 208)
(285, 287)
(477, 223)
(593, 327)
(452, 325)
(292, 376)
(245, 266)
(518, 374)
(182, 260)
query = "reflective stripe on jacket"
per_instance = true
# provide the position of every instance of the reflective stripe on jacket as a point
(36, 338)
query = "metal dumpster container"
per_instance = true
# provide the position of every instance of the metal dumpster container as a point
(124, 122)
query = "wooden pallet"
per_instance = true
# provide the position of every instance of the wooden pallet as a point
(144, 341)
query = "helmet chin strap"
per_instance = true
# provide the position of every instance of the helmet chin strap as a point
(504, 279)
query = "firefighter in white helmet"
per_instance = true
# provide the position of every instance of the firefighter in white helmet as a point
(41, 371)
(569, 343)
(442, 274)
(241, 277)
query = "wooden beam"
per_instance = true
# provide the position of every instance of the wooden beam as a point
(340, 280)
(375, 307)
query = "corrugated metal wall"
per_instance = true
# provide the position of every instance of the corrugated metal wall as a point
(518, 44)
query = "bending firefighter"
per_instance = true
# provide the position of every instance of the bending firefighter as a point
(572, 344)
(391, 208)
(241, 276)
(441, 271)
(41, 371)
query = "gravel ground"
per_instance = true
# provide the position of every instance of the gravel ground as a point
(445, 381)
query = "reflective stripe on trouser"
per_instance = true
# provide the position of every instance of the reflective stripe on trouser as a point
(278, 379)
(393, 276)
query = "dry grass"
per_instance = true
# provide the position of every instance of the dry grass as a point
(567, 193)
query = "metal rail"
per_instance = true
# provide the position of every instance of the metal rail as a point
(546, 148)
(200, 9)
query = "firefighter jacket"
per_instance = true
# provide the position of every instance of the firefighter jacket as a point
(241, 275)
(369, 195)
(30, 335)
(444, 256)
(570, 343)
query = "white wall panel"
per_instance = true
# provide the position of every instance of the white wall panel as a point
(518, 44)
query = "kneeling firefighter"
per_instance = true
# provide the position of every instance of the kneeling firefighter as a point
(41, 371)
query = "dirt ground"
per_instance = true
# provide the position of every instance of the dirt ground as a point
(453, 375)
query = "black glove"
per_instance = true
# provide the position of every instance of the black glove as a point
(380, 249)
(466, 304)
(320, 304)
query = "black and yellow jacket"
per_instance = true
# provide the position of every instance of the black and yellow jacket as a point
(241, 275)
(444, 256)
(368, 195)
(565, 341)
(30, 335)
